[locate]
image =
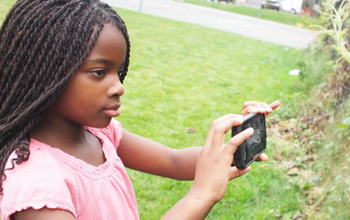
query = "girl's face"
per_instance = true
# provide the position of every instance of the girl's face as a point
(92, 96)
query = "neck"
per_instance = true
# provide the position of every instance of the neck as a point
(58, 132)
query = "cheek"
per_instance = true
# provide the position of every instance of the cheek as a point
(85, 101)
(78, 102)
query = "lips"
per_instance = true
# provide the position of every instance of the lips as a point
(112, 110)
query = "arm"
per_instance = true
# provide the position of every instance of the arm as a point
(212, 164)
(156, 158)
(43, 214)
(178, 164)
(213, 171)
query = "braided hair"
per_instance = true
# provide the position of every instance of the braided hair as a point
(42, 44)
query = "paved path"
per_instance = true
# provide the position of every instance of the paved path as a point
(251, 27)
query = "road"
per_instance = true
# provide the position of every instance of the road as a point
(251, 27)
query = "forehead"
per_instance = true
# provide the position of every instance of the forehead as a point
(110, 45)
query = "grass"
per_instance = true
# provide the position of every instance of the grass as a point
(329, 196)
(333, 189)
(327, 188)
(183, 77)
(4, 7)
(272, 15)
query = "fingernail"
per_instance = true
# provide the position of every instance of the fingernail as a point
(251, 130)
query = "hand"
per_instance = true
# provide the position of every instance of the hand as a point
(213, 169)
(259, 107)
(262, 108)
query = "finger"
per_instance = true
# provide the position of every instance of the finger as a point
(238, 172)
(267, 108)
(249, 109)
(247, 103)
(222, 119)
(253, 109)
(218, 121)
(275, 104)
(238, 139)
(262, 157)
(259, 107)
(220, 130)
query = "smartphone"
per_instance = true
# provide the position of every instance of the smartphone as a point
(255, 145)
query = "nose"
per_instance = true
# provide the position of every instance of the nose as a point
(116, 88)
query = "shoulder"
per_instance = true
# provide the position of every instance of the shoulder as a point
(113, 132)
(41, 160)
(40, 182)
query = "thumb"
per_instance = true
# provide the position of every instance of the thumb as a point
(275, 104)
(238, 172)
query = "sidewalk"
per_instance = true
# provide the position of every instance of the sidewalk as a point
(251, 27)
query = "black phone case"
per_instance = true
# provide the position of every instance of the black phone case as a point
(244, 155)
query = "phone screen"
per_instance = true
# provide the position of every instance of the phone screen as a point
(251, 148)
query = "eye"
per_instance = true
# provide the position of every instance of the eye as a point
(120, 72)
(98, 73)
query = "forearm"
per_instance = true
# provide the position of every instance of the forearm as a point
(184, 161)
(189, 207)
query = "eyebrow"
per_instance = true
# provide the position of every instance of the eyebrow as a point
(105, 61)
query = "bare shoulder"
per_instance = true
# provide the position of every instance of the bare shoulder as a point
(43, 214)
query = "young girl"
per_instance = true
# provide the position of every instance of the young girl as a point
(62, 64)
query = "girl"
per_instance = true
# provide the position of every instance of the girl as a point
(62, 156)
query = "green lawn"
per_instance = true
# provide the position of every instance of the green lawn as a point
(268, 14)
(184, 76)
(4, 7)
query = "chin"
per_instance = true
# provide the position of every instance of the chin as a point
(100, 123)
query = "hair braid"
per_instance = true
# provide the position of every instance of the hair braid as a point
(45, 41)
(25, 45)
(42, 44)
